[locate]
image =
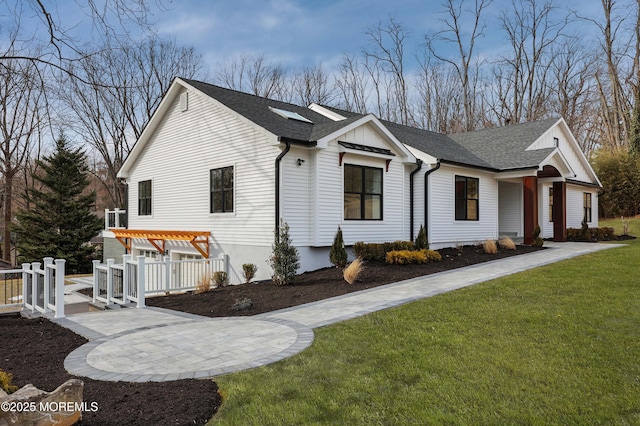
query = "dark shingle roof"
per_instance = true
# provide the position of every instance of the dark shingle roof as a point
(256, 109)
(505, 147)
(502, 148)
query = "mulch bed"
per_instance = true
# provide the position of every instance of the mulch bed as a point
(33, 350)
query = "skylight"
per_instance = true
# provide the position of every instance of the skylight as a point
(290, 115)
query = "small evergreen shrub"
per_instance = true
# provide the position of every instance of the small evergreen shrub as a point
(243, 304)
(5, 382)
(537, 241)
(338, 254)
(594, 234)
(220, 278)
(421, 241)
(490, 247)
(585, 233)
(284, 259)
(352, 271)
(506, 243)
(249, 271)
(204, 283)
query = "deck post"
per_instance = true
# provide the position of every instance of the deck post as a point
(141, 282)
(59, 287)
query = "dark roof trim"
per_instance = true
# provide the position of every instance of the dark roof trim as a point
(580, 183)
(489, 169)
(365, 148)
(285, 139)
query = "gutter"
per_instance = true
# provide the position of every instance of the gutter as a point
(278, 160)
(426, 198)
(419, 164)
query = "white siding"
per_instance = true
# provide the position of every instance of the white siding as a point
(444, 230)
(510, 209)
(296, 195)
(178, 159)
(575, 206)
(329, 193)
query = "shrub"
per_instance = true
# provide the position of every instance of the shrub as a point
(625, 226)
(220, 278)
(352, 271)
(284, 259)
(537, 241)
(506, 243)
(338, 254)
(5, 382)
(593, 234)
(490, 247)
(585, 233)
(405, 257)
(249, 271)
(421, 240)
(378, 251)
(204, 283)
(243, 304)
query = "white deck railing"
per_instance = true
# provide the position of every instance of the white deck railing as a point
(43, 287)
(11, 289)
(115, 218)
(133, 280)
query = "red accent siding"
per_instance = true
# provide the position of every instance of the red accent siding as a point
(559, 211)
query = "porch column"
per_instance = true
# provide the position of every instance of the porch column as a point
(530, 190)
(559, 211)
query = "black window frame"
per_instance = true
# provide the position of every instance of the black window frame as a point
(363, 193)
(461, 207)
(226, 192)
(145, 194)
(587, 205)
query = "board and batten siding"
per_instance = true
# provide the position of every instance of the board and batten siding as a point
(178, 158)
(328, 189)
(444, 230)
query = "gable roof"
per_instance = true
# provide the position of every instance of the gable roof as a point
(257, 109)
(505, 148)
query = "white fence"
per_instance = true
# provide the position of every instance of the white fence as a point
(134, 279)
(43, 286)
(10, 289)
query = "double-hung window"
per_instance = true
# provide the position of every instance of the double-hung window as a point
(221, 200)
(144, 198)
(586, 199)
(362, 192)
(550, 204)
(467, 198)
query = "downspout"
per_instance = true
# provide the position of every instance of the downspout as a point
(426, 198)
(278, 159)
(419, 164)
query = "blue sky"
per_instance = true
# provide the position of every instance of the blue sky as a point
(293, 33)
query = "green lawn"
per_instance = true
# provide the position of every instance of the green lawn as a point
(554, 345)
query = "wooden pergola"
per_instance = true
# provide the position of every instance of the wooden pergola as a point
(198, 239)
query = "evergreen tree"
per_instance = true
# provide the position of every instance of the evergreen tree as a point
(421, 241)
(338, 254)
(59, 223)
(284, 259)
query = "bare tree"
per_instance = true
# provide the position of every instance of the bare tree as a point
(254, 75)
(522, 85)
(22, 118)
(123, 88)
(312, 84)
(385, 63)
(352, 84)
(466, 64)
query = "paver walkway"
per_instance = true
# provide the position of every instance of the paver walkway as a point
(154, 344)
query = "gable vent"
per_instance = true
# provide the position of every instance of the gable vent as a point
(184, 101)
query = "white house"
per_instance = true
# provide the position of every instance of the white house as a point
(215, 170)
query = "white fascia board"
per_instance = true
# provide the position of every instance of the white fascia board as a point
(576, 147)
(407, 156)
(426, 158)
(332, 115)
(516, 174)
(568, 173)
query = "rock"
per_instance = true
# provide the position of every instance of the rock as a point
(32, 406)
